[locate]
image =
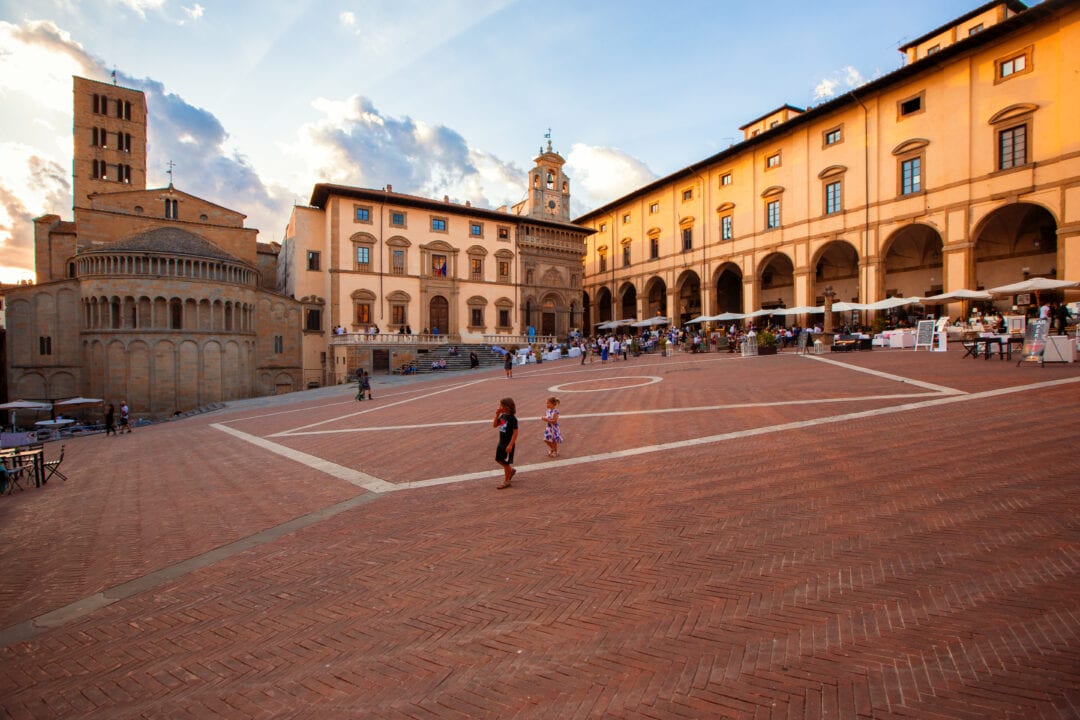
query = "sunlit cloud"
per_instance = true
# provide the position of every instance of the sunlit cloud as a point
(603, 174)
(353, 143)
(347, 18)
(30, 186)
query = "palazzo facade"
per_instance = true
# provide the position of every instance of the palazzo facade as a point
(959, 170)
(363, 259)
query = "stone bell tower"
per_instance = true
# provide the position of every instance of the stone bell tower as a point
(549, 187)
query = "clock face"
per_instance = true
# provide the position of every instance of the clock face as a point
(553, 204)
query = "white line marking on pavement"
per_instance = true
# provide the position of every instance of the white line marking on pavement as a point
(888, 376)
(349, 475)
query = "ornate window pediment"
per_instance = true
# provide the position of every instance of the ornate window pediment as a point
(1012, 112)
(362, 295)
(910, 146)
(772, 190)
(832, 171)
(725, 207)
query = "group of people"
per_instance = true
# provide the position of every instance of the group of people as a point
(110, 419)
(507, 424)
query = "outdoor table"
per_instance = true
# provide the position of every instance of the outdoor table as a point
(32, 459)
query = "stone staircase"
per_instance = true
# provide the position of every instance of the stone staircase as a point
(459, 361)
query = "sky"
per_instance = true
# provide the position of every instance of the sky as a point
(256, 102)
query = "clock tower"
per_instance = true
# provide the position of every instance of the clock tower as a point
(549, 187)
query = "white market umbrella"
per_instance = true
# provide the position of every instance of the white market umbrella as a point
(652, 322)
(699, 319)
(730, 316)
(54, 423)
(801, 310)
(77, 401)
(958, 295)
(1033, 285)
(893, 302)
(25, 405)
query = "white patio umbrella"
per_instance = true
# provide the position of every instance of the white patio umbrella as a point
(801, 310)
(1033, 285)
(77, 402)
(699, 319)
(652, 322)
(730, 316)
(957, 295)
(25, 405)
(893, 302)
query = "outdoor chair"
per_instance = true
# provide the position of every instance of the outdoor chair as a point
(53, 466)
(9, 477)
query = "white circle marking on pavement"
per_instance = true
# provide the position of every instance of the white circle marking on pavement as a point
(649, 380)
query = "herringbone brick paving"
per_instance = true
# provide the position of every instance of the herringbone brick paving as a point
(917, 564)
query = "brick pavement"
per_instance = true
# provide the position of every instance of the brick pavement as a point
(723, 537)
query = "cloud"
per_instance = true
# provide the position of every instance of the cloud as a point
(193, 13)
(602, 174)
(30, 186)
(347, 18)
(355, 144)
(139, 7)
(847, 77)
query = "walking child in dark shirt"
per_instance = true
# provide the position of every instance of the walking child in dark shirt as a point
(506, 421)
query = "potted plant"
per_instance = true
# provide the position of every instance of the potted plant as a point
(766, 343)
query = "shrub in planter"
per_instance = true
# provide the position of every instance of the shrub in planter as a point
(766, 342)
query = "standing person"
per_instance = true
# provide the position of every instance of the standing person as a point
(125, 418)
(552, 436)
(110, 420)
(508, 364)
(1061, 316)
(474, 361)
(506, 421)
(584, 347)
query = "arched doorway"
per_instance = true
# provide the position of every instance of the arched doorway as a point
(628, 303)
(913, 264)
(549, 313)
(1014, 243)
(586, 308)
(688, 290)
(656, 299)
(439, 314)
(837, 265)
(776, 282)
(729, 289)
(603, 305)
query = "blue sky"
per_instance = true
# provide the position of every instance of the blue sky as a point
(256, 102)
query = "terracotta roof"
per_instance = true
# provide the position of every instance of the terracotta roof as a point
(170, 240)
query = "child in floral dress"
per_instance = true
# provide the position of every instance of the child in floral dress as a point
(552, 436)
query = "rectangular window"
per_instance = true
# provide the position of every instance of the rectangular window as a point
(45, 345)
(626, 256)
(399, 314)
(124, 174)
(626, 219)
(654, 248)
(933, 50)
(438, 224)
(603, 263)
(772, 214)
(687, 239)
(725, 179)
(313, 319)
(1012, 147)
(397, 262)
(911, 176)
(772, 161)
(504, 233)
(910, 106)
(504, 270)
(504, 317)
(603, 227)
(832, 136)
(313, 259)
(476, 230)
(438, 265)
(687, 195)
(397, 219)
(172, 209)
(727, 230)
(476, 315)
(476, 268)
(279, 344)
(654, 208)
(124, 140)
(1012, 66)
(363, 214)
(363, 313)
(832, 198)
(363, 257)
(975, 30)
